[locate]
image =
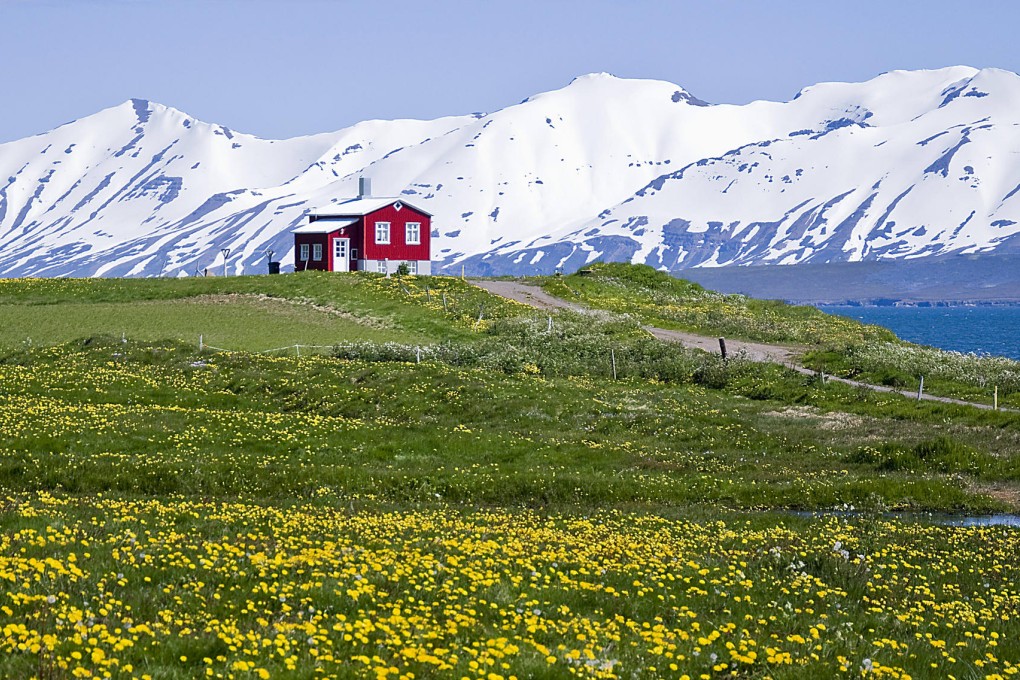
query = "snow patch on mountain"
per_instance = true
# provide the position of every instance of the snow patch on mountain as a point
(908, 164)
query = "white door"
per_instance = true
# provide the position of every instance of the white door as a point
(342, 255)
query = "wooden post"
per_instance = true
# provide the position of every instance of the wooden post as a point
(444, 302)
(995, 399)
(549, 329)
(201, 344)
(297, 348)
(418, 360)
(481, 311)
(920, 388)
(722, 348)
(612, 357)
(462, 272)
(428, 294)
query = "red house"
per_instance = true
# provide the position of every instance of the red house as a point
(365, 234)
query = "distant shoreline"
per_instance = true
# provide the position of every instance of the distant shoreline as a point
(907, 303)
(947, 281)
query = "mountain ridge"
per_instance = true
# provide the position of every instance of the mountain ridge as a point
(603, 168)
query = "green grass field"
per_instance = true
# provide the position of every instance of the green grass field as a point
(457, 490)
(251, 313)
(230, 321)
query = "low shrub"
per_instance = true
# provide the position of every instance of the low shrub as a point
(576, 345)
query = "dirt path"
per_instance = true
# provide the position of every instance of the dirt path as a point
(529, 295)
(536, 297)
(755, 351)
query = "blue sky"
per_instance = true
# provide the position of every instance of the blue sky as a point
(285, 68)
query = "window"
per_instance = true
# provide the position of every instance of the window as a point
(354, 253)
(382, 232)
(412, 233)
(304, 252)
(412, 267)
(382, 266)
(316, 251)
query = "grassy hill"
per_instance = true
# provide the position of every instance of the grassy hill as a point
(828, 343)
(463, 488)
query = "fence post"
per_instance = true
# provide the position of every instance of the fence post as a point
(481, 310)
(297, 348)
(612, 357)
(201, 344)
(444, 302)
(549, 329)
(428, 294)
(920, 388)
(722, 348)
(418, 361)
(995, 399)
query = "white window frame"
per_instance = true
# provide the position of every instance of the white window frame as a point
(412, 229)
(382, 266)
(317, 252)
(412, 267)
(354, 253)
(384, 229)
(304, 253)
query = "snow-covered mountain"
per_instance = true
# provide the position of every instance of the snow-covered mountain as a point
(905, 165)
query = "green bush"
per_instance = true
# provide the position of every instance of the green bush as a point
(577, 345)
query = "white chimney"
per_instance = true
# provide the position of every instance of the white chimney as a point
(364, 187)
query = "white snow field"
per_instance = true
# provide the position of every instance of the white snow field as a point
(906, 165)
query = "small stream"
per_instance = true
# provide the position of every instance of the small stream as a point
(997, 520)
(977, 520)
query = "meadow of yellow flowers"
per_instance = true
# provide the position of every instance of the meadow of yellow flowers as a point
(170, 513)
(191, 588)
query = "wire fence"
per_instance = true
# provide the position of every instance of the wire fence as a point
(202, 346)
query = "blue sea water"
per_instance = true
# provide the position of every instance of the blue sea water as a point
(981, 330)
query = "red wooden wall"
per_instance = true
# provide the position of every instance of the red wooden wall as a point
(310, 239)
(397, 249)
